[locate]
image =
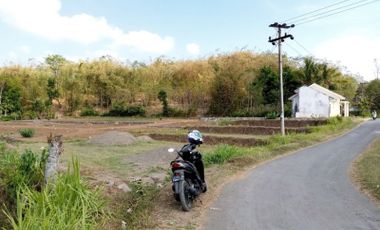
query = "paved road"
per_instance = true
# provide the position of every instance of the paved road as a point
(309, 190)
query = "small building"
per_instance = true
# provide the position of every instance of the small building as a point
(316, 101)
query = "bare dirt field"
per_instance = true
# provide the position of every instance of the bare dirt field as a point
(80, 129)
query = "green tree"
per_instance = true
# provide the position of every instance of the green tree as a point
(55, 63)
(163, 97)
(11, 100)
(52, 91)
(373, 94)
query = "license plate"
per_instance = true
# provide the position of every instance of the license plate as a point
(176, 178)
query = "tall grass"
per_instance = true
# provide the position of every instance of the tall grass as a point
(66, 204)
(29, 204)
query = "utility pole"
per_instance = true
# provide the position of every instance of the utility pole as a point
(280, 39)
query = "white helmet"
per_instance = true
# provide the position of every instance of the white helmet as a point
(195, 137)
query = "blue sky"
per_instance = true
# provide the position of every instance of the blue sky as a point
(145, 29)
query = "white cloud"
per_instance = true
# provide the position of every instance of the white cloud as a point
(356, 52)
(193, 48)
(43, 18)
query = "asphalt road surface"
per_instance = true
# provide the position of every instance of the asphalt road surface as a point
(305, 191)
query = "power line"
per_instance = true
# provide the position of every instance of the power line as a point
(324, 16)
(314, 11)
(354, 4)
(303, 47)
(329, 11)
(294, 49)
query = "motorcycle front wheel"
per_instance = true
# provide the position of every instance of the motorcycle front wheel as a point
(184, 195)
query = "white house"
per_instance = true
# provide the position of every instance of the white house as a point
(317, 101)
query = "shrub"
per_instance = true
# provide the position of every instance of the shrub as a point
(334, 120)
(121, 111)
(172, 112)
(11, 117)
(89, 111)
(29, 115)
(271, 115)
(26, 132)
(163, 97)
(21, 170)
(222, 154)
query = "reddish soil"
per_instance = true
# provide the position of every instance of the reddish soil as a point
(253, 130)
(291, 123)
(77, 129)
(212, 140)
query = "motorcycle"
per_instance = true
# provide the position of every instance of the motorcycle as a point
(187, 184)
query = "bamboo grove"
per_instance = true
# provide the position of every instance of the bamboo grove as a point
(241, 83)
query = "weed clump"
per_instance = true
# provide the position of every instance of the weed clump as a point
(27, 132)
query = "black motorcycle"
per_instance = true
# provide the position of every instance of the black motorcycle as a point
(187, 183)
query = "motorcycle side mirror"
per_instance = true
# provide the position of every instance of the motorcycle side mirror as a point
(171, 150)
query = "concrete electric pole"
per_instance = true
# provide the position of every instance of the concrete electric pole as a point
(280, 39)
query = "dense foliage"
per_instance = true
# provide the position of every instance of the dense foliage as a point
(237, 84)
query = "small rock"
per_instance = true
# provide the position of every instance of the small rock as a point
(159, 185)
(134, 179)
(124, 187)
(123, 225)
(129, 210)
(110, 183)
(147, 180)
(157, 178)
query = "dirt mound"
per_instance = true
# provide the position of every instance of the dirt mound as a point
(144, 138)
(112, 138)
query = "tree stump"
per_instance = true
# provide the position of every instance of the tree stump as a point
(55, 149)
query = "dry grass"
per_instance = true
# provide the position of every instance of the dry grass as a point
(368, 169)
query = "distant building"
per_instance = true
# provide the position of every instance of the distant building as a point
(317, 101)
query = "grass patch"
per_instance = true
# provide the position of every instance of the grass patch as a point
(110, 158)
(222, 154)
(277, 144)
(368, 168)
(135, 207)
(27, 132)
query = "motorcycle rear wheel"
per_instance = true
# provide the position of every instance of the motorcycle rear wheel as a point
(185, 196)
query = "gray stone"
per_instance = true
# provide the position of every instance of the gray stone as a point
(124, 187)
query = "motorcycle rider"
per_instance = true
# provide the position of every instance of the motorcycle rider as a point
(195, 138)
(374, 114)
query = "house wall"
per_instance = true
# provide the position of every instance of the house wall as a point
(334, 108)
(312, 103)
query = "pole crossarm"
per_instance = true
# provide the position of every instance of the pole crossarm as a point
(281, 38)
(282, 26)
